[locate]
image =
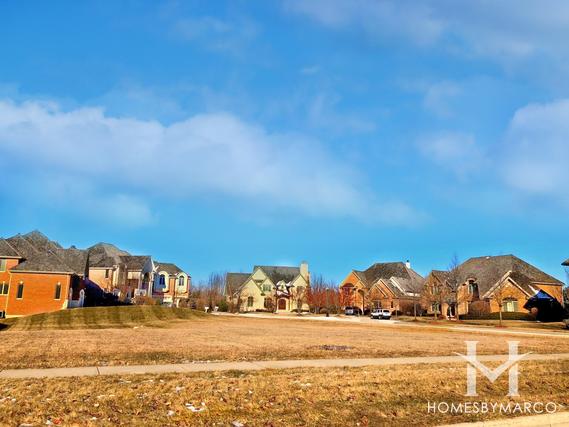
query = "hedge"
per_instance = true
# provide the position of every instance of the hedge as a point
(506, 315)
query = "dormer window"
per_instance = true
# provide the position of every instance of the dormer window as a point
(472, 287)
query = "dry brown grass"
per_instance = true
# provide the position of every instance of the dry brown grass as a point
(334, 397)
(240, 338)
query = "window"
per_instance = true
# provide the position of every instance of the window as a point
(162, 280)
(58, 291)
(20, 293)
(181, 281)
(250, 302)
(4, 287)
(107, 273)
(2, 314)
(510, 305)
(472, 287)
(2, 265)
(266, 288)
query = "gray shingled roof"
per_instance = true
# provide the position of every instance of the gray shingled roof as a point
(46, 262)
(277, 273)
(169, 268)
(24, 247)
(135, 262)
(7, 250)
(41, 242)
(487, 271)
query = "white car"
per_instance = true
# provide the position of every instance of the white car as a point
(385, 314)
(376, 313)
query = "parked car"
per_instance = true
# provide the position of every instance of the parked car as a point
(376, 313)
(385, 314)
(352, 311)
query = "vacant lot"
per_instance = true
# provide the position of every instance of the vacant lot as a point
(203, 338)
(396, 395)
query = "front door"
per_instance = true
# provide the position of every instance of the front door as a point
(282, 304)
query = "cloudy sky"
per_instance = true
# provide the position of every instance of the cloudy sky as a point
(344, 132)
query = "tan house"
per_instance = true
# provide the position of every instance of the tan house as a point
(170, 283)
(389, 285)
(484, 284)
(269, 288)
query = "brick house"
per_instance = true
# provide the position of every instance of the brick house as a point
(483, 284)
(33, 277)
(270, 288)
(390, 285)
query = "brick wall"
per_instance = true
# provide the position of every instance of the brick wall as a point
(39, 293)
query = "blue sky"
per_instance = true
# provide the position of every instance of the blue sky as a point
(219, 135)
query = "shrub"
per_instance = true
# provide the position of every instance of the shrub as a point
(223, 306)
(507, 315)
(144, 300)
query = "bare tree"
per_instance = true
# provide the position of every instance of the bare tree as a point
(451, 292)
(433, 296)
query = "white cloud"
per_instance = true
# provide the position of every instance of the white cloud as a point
(215, 154)
(454, 151)
(503, 30)
(535, 156)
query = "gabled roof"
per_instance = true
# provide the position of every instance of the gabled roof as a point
(7, 250)
(235, 281)
(407, 278)
(440, 275)
(278, 273)
(488, 270)
(74, 258)
(169, 268)
(46, 262)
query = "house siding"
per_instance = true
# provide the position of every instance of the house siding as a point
(39, 293)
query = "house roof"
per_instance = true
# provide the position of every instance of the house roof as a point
(23, 246)
(169, 268)
(235, 281)
(105, 255)
(7, 250)
(407, 278)
(46, 262)
(487, 271)
(278, 273)
(41, 242)
(74, 258)
(566, 263)
(134, 262)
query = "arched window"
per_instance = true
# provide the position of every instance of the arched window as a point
(162, 280)
(181, 281)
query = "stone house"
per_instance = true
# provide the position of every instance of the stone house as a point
(269, 288)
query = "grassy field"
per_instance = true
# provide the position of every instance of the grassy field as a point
(211, 338)
(103, 317)
(523, 324)
(394, 396)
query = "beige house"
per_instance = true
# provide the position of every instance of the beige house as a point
(269, 288)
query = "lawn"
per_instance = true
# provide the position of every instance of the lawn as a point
(212, 338)
(396, 395)
(103, 317)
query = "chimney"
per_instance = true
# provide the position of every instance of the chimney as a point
(408, 264)
(304, 270)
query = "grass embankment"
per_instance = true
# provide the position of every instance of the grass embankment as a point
(372, 396)
(102, 317)
(523, 324)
